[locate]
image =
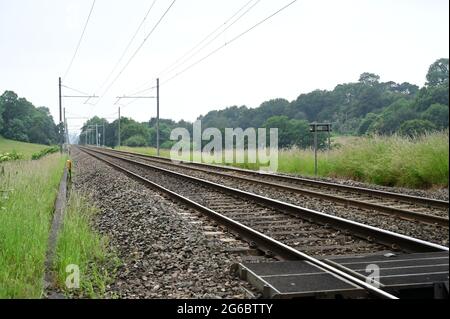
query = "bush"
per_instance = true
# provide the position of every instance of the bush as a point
(135, 141)
(416, 128)
(438, 115)
(44, 152)
(13, 156)
(168, 145)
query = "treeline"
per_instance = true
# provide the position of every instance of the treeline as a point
(132, 133)
(360, 108)
(137, 134)
(364, 107)
(20, 120)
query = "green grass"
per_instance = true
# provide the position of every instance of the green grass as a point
(26, 149)
(421, 162)
(395, 161)
(79, 244)
(144, 150)
(28, 191)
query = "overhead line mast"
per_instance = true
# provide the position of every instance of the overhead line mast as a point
(62, 120)
(157, 111)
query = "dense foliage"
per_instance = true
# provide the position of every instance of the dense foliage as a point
(44, 152)
(13, 156)
(132, 133)
(362, 108)
(22, 121)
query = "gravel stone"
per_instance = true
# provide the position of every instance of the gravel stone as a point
(164, 254)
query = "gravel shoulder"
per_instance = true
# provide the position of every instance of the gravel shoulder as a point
(167, 250)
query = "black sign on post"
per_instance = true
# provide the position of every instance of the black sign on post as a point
(315, 128)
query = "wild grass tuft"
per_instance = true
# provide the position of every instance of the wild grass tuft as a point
(79, 244)
(420, 162)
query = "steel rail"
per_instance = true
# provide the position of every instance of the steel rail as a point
(253, 237)
(382, 236)
(362, 190)
(406, 214)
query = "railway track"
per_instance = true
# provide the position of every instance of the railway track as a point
(281, 230)
(407, 207)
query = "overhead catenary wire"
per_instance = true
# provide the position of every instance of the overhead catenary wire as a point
(137, 50)
(188, 56)
(128, 45)
(127, 104)
(69, 113)
(144, 90)
(75, 90)
(197, 61)
(109, 116)
(229, 42)
(79, 41)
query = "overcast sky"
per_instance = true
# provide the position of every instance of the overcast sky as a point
(311, 45)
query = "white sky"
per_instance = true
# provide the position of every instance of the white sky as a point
(311, 45)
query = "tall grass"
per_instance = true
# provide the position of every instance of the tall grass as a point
(420, 162)
(79, 244)
(27, 193)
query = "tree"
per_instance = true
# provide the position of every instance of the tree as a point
(312, 104)
(438, 115)
(367, 123)
(391, 119)
(21, 120)
(370, 99)
(431, 95)
(285, 134)
(135, 141)
(293, 132)
(369, 79)
(135, 129)
(15, 130)
(1, 117)
(438, 73)
(275, 107)
(415, 128)
(42, 130)
(406, 89)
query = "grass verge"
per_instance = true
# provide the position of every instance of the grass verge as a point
(27, 193)
(79, 244)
